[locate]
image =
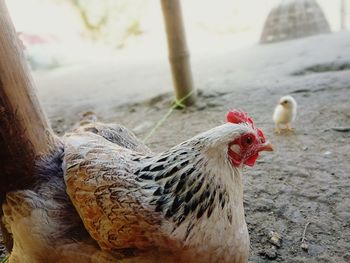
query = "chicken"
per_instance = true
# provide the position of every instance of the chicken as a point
(285, 113)
(107, 196)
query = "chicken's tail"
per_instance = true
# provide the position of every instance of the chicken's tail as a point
(43, 202)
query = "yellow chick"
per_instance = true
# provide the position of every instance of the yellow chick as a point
(285, 113)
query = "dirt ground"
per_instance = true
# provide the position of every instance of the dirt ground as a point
(304, 184)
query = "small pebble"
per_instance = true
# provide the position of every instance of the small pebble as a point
(275, 238)
(304, 246)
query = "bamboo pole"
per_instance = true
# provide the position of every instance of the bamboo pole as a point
(342, 15)
(25, 132)
(179, 56)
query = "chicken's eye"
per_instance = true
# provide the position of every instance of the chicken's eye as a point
(262, 140)
(249, 140)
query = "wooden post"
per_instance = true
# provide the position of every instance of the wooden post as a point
(178, 52)
(25, 132)
(342, 15)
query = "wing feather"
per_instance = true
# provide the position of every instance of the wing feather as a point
(100, 181)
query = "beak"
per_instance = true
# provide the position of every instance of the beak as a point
(267, 146)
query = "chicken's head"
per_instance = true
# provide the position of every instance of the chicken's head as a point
(288, 102)
(245, 148)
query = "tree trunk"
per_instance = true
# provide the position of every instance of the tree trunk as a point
(178, 52)
(25, 132)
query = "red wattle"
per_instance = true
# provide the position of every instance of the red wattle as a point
(251, 160)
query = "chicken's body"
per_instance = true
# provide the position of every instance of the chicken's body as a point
(185, 203)
(173, 200)
(285, 113)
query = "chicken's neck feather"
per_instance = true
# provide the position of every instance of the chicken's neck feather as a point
(189, 183)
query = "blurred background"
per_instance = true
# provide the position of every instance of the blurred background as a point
(110, 57)
(98, 54)
(64, 32)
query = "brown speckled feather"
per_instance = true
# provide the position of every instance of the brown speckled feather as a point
(107, 195)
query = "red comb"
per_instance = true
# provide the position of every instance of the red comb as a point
(238, 116)
(261, 135)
